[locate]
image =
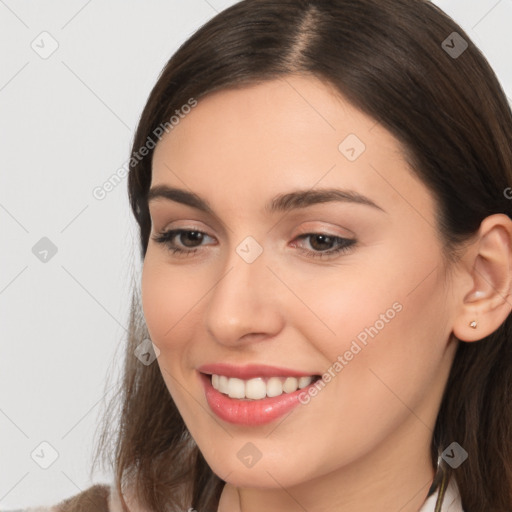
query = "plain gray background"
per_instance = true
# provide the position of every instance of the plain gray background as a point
(66, 124)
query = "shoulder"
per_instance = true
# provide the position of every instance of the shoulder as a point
(98, 498)
(94, 499)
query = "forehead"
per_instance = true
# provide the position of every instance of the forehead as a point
(278, 114)
(294, 132)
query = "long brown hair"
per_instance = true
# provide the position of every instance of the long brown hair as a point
(391, 60)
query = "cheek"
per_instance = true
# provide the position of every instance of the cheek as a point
(345, 303)
(167, 301)
(392, 319)
(168, 305)
(155, 300)
(383, 356)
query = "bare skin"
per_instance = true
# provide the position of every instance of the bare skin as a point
(363, 442)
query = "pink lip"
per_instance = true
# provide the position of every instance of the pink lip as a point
(249, 412)
(250, 371)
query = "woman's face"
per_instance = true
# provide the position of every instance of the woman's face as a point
(373, 319)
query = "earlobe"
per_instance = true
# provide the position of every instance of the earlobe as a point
(487, 305)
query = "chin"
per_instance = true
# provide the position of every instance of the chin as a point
(269, 474)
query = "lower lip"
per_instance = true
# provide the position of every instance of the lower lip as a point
(249, 412)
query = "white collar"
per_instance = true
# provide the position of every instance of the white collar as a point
(451, 501)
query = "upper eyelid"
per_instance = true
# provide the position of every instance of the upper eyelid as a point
(158, 218)
(316, 230)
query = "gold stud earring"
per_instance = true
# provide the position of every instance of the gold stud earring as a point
(473, 324)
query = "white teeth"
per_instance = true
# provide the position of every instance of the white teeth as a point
(274, 386)
(304, 381)
(255, 388)
(236, 388)
(223, 384)
(290, 385)
(258, 387)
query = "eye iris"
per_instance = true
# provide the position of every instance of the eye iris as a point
(194, 235)
(327, 240)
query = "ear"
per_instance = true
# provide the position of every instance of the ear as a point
(488, 264)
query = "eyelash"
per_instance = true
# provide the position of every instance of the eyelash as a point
(166, 238)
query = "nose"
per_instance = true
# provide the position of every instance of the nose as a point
(245, 303)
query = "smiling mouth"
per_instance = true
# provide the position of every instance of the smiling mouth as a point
(259, 388)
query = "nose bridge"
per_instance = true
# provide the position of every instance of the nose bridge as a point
(242, 300)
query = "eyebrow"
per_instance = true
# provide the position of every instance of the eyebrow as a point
(295, 199)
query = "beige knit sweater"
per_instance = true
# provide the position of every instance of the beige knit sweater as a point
(97, 498)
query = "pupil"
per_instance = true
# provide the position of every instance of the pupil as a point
(191, 234)
(321, 237)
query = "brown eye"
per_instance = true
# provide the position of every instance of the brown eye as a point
(189, 239)
(319, 241)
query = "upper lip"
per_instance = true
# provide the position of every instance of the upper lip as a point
(251, 371)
